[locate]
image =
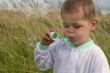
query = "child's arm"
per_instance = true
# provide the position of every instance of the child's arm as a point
(43, 56)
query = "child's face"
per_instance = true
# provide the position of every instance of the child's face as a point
(76, 27)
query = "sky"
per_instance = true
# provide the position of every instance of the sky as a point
(103, 5)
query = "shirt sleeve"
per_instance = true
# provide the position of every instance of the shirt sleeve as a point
(101, 64)
(43, 57)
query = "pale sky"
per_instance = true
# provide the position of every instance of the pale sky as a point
(104, 5)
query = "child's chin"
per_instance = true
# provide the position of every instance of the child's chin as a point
(75, 42)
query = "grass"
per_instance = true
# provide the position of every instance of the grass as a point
(19, 34)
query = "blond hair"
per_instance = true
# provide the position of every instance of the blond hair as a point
(87, 6)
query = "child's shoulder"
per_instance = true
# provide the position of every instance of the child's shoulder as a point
(97, 51)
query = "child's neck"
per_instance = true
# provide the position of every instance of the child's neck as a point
(76, 45)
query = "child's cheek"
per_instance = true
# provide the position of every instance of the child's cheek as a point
(80, 36)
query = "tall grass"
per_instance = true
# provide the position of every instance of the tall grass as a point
(19, 34)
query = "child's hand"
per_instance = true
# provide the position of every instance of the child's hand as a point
(46, 40)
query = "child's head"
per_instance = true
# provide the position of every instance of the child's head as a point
(78, 18)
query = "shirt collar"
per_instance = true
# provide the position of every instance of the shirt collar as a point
(86, 45)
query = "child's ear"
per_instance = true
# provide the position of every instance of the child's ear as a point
(94, 23)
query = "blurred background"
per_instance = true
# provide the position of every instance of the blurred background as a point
(23, 22)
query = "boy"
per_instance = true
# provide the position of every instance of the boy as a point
(78, 53)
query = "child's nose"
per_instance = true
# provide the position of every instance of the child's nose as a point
(71, 29)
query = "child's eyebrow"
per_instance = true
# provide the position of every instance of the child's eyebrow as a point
(65, 23)
(76, 24)
(72, 24)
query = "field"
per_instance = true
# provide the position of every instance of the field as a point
(19, 34)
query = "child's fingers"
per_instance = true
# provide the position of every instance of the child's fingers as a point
(47, 35)
(46, 40)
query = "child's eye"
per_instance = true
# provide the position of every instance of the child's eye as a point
(66, 26)
(77, 27)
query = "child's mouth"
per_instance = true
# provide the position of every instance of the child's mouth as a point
(72, 39)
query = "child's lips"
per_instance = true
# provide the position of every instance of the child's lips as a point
(71, 38)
